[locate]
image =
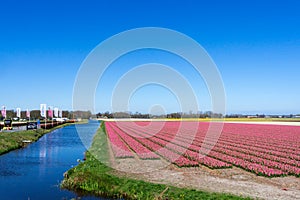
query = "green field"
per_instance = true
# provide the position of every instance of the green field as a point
(96, 178)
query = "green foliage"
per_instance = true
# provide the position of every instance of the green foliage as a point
(10, 141)
(13, 140)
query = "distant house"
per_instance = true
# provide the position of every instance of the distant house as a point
(252, 116)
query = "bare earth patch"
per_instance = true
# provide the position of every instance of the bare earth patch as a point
(233, 180)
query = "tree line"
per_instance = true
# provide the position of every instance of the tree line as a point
(175, 115)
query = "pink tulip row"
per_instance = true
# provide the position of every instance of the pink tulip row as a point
(278, 153)
(252, 167)
(163, 149)
(273, 156)
(183, 149)
(137, 147)
(158, 146)
(268, 150)
(286, 137)
(270, 155)
(242, 142)
(261, 161)
(289, 165)
(208, 161)
(284, 164)
(282, 151)
(239, 161)
(175, 153)
(119, 149)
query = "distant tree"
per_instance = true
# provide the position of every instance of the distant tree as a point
(66, 114)
(35, 114)
(99, 115)
(80, 114)
(140, 115)
(108, 114)
(174, 115)
(121, 115)
(261, 116)
(10, 114)
(216, 115)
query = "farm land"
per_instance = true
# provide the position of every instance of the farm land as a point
(257, 160)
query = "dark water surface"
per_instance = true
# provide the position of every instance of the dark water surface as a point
(36, 171)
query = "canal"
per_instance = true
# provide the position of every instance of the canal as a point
(36, 171)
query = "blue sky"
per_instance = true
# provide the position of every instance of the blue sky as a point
(255, 44)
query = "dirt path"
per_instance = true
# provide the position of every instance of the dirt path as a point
(235, 181)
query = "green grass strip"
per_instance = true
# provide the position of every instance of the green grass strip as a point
(14, 140)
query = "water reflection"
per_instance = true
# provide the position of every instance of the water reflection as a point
(36, 171)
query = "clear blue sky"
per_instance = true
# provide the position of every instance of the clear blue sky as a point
(255, 44)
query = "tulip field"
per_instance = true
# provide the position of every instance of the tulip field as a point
(267, 150)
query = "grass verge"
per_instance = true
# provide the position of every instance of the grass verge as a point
(94, 177)
(14, 140)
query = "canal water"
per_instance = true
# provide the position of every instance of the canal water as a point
(36, 171)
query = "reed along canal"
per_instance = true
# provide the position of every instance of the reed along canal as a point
(36, 171)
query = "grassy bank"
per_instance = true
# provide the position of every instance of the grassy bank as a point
(14, 140)
(94, 177)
